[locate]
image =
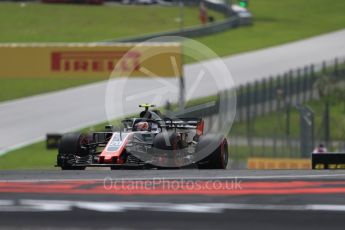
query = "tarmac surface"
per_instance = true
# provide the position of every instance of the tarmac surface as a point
(171, 199)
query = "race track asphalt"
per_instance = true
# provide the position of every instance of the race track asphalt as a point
(27, 120)
(172, 199)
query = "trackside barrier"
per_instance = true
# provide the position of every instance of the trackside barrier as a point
(91, 2)
(280, 93)
(195, 31)
(328, 161)
(278, 163)
(90, 60)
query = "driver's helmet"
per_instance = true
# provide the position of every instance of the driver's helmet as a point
(142, 126)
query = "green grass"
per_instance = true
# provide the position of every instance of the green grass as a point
(275, 124)
(34, 156)
(240, 152)
(12, 88)
(280, 21)
(84, 23)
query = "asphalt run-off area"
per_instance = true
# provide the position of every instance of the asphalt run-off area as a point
(159, 199)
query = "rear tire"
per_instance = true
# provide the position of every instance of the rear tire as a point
(71, 146)
(218, 146)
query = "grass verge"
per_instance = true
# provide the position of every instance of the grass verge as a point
(34, 156)
(279, 22)
(12, 88)
(37, 22)
(275, 124)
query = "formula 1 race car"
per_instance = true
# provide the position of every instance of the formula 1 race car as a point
(149, 141)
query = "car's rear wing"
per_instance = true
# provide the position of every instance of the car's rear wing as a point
(185, 123)
(180, 122)
(175, 123)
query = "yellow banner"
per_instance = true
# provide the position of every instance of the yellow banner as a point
(278, 163)
(90, 60)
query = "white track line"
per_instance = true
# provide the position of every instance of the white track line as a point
(67, 205)
(157, 178)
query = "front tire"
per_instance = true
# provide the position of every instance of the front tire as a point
(71, 146)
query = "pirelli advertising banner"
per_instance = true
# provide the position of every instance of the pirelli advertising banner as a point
(90, 60)
(278, 163)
